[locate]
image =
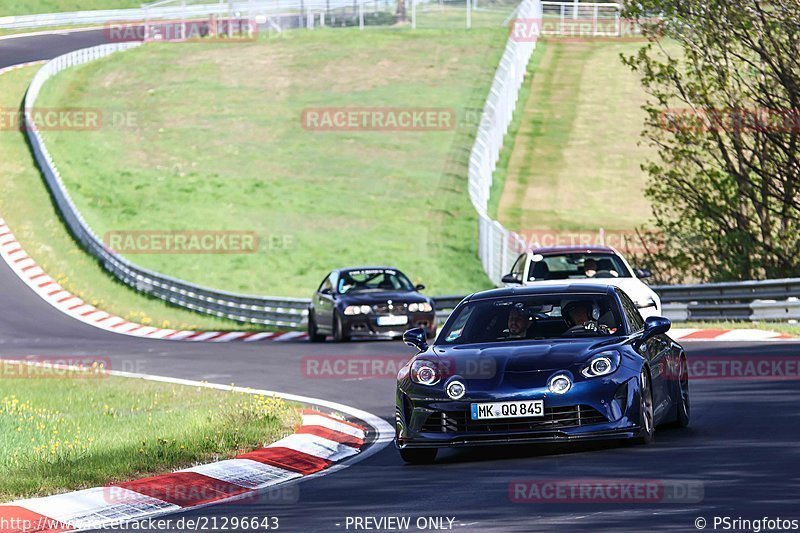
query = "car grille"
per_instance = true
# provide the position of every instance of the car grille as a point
(554, 418)
(397, 309)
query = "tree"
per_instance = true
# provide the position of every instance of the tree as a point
(723, 112)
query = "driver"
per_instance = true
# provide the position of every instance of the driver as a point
(590, 267)
(578, 314)
(518, 322)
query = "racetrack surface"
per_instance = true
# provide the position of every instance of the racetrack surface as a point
(741, 445)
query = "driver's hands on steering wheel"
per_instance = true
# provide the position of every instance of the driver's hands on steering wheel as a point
(591, 325)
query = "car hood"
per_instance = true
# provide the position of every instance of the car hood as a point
(519, 364)
(373, 297)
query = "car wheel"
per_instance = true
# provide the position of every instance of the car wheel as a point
(646, 418)
(313, 332)
(683, 396)
(338, 330)
(418, 456)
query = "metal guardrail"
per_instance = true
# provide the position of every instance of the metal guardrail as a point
(770, 300)
(750, 301)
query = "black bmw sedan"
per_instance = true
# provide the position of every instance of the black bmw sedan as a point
(368, 302)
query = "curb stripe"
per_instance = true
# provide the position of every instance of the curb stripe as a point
(50, 291)
(327, 433)
(185, 489)
(296, 461)
(245, 473)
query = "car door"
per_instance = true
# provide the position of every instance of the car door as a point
(324, 303)
(657, 351)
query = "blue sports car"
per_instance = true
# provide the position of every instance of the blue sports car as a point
(540, 364)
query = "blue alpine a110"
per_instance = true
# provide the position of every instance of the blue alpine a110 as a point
(540, 364)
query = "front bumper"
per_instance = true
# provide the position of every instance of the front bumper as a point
(602, 410)
(367, 325)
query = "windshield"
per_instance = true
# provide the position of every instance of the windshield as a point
(534, 317)
(577, 266)
(376, 279)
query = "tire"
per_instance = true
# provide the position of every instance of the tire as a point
(682, 419)
(313, 334)
(418, 456)
(338, 330)
(646, 418)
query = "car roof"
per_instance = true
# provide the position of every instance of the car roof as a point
(350, 269)
(543, 288)
(571, 249)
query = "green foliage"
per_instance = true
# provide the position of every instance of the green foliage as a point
(723, 116)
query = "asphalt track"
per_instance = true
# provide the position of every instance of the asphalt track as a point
(741, 448)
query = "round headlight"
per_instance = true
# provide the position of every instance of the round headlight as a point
(456, 389)
(559, 384)
(426, 375)
(365, 309)
(601, 365)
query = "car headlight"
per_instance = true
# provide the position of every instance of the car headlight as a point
(424, 372)
(423, 307)
(601, 364)
(455, 389)
(357, 310)
(559, 384)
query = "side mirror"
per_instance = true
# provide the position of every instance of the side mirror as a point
(416, 338)
(420, 287)
(510, 278)
(643, 273)
(655, 325)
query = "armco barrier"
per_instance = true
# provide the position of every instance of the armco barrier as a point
(773, 300)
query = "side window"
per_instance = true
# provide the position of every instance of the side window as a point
(519, 266)
(631, 313)
(326, 286)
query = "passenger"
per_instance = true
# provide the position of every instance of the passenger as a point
(519, 320)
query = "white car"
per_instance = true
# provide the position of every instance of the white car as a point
(570, 265)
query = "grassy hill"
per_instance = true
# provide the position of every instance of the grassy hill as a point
(575, 161)
(218, 144)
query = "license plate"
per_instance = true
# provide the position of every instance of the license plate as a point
(392, 320)
(525, 408)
